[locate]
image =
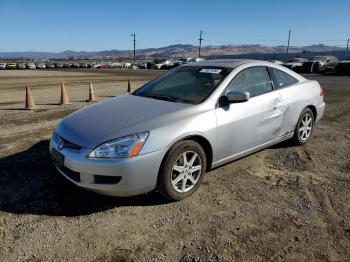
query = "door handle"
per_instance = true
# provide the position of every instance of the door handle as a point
(279, 104)
(276, 106)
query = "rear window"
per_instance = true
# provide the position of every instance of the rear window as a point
(283, 79)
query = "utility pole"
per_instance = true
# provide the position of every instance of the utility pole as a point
(288, 42)
(200, 43)
(134, 40)
(347, 46)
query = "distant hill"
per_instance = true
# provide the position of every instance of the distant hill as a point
(170, 51)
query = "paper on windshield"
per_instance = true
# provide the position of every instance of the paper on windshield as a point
(210, 70)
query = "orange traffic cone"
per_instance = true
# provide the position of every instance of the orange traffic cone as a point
(92, 97)
(29, 103)
(129, 86)
(64, 95)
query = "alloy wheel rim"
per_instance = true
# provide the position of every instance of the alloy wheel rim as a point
(305, 127)
(186, 171)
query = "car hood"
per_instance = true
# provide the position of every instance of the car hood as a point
(113, 118)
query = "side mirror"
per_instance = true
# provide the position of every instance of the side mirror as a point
(237, 97)
(233, 97)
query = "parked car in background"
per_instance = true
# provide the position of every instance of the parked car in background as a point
(11, 66)
(320, 64)
(149, 65)
(104, 65)
(181, 61)
(3, 65)
(163, 64)
(158, 62)
(67, 65)
(58, 65)
(31, 66)
(117, 64)
(196, 59)
(84, 65)
(184, 61)
(278, 62)
(41, 66)
(75, 65)
(21, 66)
(97, 66)
(295, 64)
(343, 67)
(141, 65)
(127, 65)
(182, 124)
(50, 66)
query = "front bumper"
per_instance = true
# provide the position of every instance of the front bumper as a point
(136, 175)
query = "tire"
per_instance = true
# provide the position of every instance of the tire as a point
(306, 121)
(176, 178)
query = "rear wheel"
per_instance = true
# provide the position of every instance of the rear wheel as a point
(304, 128)
(182, 171)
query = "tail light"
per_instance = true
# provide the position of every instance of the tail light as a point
(321, 91)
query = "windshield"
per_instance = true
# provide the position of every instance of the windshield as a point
(189, 84)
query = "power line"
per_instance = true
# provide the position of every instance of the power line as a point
(288, 41)
(200, 43)
(134, 35)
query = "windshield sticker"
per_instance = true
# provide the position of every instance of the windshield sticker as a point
(210, 71)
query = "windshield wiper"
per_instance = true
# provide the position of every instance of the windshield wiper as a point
(184, 100)
(165, 98)
(161, 97)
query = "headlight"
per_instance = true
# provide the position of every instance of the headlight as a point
(127, 146)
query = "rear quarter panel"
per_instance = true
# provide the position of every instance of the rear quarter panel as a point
(297, 97)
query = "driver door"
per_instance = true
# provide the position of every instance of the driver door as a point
(244, 126)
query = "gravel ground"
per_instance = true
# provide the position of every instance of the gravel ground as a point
(282, 204)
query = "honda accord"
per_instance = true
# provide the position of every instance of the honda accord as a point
(165, 135)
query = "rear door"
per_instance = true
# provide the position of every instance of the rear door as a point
(243, 126)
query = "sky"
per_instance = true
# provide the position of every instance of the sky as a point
(55, 26)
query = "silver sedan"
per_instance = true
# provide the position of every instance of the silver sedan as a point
(168, 133)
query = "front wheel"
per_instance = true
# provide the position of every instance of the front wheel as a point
(182, 171)
(304, 128)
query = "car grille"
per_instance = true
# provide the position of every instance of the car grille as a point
(65, 142)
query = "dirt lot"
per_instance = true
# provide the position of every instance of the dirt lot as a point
(281, 204)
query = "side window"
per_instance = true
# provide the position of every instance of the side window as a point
(255, 80)
(283, 79)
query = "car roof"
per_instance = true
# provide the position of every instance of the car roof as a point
(233, 63)
(229, 63)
